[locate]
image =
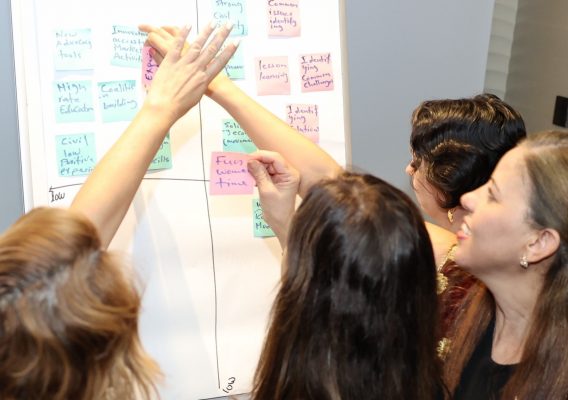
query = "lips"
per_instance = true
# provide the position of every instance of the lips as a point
(464, 232)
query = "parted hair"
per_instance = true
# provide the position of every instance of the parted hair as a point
(460, 142)
(68, 314)
(355, 315)
(541, 374)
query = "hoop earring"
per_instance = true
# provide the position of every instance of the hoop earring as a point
(524, 262)
(451, 215)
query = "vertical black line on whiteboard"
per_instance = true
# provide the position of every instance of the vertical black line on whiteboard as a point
(209, 220)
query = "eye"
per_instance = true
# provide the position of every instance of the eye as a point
(490, 196)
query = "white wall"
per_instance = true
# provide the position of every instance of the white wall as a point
(401, 53)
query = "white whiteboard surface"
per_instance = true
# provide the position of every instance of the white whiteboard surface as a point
(208, 283)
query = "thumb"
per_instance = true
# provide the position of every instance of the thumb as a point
(259, 173)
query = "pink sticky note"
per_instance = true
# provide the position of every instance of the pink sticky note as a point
(284, 18)
(316, 72)
(229, 174)
(305, 119)
(149, 67)
(272, 75)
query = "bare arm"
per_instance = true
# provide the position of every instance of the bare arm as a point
(267, 131)
(178, 86)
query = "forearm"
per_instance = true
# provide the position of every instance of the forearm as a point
(107, 193)
(268, 132)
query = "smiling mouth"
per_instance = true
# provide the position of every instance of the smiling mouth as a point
(464, 232)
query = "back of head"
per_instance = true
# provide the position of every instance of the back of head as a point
(460, 142)
(356, 313)
(68, 314)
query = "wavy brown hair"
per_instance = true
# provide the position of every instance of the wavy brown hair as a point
(355, 316)
(541, 374)
(68, 314)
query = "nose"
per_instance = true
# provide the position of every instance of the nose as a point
(468, 201)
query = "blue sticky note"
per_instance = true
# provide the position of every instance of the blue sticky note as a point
(260, 227)
(118, 100)
(73, 49)
(235, 139)
(76, 154)
(127, 43)
(234, 11)
(235, 68)
(163, 157)
(73, 101)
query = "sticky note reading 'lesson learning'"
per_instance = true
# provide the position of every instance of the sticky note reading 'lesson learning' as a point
(272, 75)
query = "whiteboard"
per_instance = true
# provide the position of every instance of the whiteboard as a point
(208, 282)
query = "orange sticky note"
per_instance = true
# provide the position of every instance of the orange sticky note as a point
(305, 119)
(272, 75)
(284, 18)
(149, 67)
(316, 72)
(229, 174)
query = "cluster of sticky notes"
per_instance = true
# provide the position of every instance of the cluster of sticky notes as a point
(229, 174)
(283, 18)
(235, 138)
(73, 49)
(233, 11)
(305, 119)
(259, 225)
(76, 154)
(127, 43)
(73, 101)
(272, 75)
(163, 157)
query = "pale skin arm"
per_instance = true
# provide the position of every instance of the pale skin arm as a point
(267, 131)
(178, 86)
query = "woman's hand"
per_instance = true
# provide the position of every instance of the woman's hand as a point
(278, 184)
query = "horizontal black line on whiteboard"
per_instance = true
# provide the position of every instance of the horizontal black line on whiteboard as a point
(145, 179)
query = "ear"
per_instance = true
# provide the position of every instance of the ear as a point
(543, 245)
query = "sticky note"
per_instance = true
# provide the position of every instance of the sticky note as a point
(235, 139)
(316, 72)
(163, 157)
(127, 43)
(305, 119)
(73, 49)
(259, 225)
(73, 101)
(118, 100)
(272, 75)
(149, 67)
(76, 154)
(234, 11)
(284, 18)
(235, 68)
(229, 174)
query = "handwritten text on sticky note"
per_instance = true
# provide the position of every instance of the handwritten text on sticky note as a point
(73, 101)
(259, 225)
(283, 18)
(272, 75)
(149, 67)
(73, 49)
(316, 72)
(118, 100)
(234, 11)
(76, 154)
(235, 68)
(163, 157)
(235, 139)
(127, 43)
(229, 174)
(305, 119)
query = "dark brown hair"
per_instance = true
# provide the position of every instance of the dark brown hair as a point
(355, 316)
(68, 314)
(460, 142)
(541, 373)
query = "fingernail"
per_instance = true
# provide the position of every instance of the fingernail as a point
(236, 42)
(151, 51)
(213, 24)
(229, 25)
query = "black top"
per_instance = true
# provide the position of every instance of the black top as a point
(483, 378)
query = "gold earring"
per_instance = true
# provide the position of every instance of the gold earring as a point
(451, 215)
(524, 262)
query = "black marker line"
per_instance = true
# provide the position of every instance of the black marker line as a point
(52, 188)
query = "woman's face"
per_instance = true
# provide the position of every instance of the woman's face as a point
(426, 194)
(495, 233)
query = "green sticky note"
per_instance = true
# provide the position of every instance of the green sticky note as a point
(234, 11)
(235, 68)
(73, 101)
(163, 157)
(260, 227)
(73, 49)
(76, 154)
(235, 139)
(127, 43)
(118, 100)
